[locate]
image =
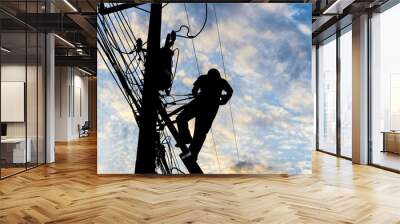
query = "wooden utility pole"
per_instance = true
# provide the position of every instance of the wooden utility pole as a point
(146, 151)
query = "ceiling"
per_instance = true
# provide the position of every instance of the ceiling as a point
(74, 21)
(330, 15)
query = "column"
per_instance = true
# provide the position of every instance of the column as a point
(360, 90)
(50, 92)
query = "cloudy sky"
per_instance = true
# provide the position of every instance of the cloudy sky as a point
(267, 54)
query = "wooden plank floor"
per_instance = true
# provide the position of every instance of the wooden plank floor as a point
(69, 191)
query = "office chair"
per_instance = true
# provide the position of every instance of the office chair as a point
(84, 130)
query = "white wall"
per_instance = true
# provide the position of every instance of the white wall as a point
(80, 110)
(71, 94)
(61, 103)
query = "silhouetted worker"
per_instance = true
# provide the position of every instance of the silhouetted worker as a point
(208, 95)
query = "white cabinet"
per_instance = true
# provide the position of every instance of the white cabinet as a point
(19, 155)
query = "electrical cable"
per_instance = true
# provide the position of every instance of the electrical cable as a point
(104, 41)
(113, 30)
(216, 153)
(176, 66)
(229, 103)
(194, 48)
(112, 39)
(188, 28)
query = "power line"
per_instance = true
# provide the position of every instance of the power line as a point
(215, 149)
(223, 66)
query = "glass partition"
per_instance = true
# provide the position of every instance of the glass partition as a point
(327, 96)
(346, 93)
(385, 89)
(22, 88)
(14, 152)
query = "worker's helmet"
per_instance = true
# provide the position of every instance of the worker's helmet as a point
(214, 73)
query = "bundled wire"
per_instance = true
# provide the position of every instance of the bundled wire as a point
(124, 66)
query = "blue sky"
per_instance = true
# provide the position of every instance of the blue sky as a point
(267, 54)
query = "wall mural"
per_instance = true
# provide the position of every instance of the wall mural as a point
(192, 88)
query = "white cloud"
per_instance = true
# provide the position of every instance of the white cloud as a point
(305, 29)
(299, 97)
(282, 10)
(188, 81)
(101, 65)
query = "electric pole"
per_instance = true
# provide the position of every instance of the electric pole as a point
(146, 151)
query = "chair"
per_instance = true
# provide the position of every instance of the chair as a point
(84, 130)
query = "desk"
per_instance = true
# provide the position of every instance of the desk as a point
(391, 141)
(16, 148)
